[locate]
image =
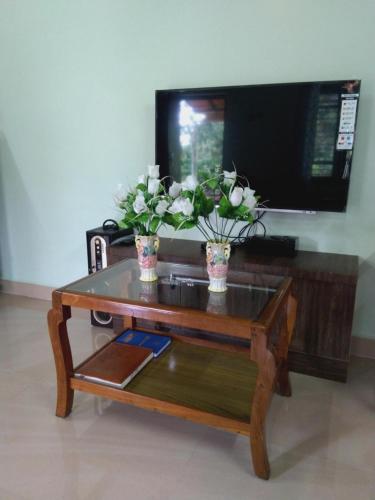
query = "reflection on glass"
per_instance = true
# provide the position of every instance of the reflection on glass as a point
(217, 303)
(325, 136)
(148, 291)
(181, 285)
(201, 137)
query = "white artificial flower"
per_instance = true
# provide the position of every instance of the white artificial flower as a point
(189, 183)
(153, 171)
(175, 189)
(161, 207)
(142, 179)
(248, 193)
(250, 202)
(139, 204)
(229, 177)
(236, 196)
(120, 194)
(183, 205)
(153, 185)
(249, 199)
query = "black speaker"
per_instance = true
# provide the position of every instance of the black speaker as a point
(98, 240)
(277, 246)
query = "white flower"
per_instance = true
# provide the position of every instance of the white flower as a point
(250, 202)
(139, 204)
(249, 199)
(183, 205)
(248, 193)
(175, 189)
(142, 179)
(189, 183)
(120, 194)
(161, 207)
(236, 196)
(153, 185)
(229, 177)
(153, 171)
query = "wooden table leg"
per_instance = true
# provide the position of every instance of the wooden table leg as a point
(283, 386)
(128, 322)
(261, 401)
(57, 318)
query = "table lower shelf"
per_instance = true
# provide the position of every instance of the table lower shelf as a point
(193, 382)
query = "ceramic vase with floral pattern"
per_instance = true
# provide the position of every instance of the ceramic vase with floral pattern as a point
(147, 248)
(217, 265)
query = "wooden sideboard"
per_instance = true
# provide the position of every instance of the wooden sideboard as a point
(324, 285)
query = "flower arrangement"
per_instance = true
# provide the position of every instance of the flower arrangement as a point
(215, 206)
(144, 206)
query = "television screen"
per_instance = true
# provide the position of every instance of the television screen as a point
(294, 142)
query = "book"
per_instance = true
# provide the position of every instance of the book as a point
(115, 365)
(158, 343)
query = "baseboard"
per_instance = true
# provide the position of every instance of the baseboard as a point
(363, 348)
(26, 289)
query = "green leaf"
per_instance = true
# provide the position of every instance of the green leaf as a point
(213, 184)
(241, 211)
(123, 224)
(225, 208)
(143, 218)
(250, 218)
(154, 224)
(142, 187)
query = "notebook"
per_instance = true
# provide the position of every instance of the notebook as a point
(115, 365)
(158, 343)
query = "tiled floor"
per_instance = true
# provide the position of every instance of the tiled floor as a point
(321, 441)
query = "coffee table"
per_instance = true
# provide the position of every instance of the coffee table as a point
(227, 357)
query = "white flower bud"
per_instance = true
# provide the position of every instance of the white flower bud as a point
(161, 207)
(229, 177)
(142, 179)
(153, 171)
(190, 183)
(139, 204)
(153, 185)
(182, 205)
(120, 194)
(236, 196)
(175, 189)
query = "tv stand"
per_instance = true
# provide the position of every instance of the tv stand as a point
(324, 285)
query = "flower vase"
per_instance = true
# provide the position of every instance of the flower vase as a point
(217, 303)
(147, 248)
(217, 265)
(148, 292)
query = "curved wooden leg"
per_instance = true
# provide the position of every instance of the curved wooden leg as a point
(57, 318)
(283, 386)
(260, 404)
(259, 455)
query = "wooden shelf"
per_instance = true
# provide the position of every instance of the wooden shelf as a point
(209, 380)
(198, 378)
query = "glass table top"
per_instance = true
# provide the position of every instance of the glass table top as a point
(181, 285)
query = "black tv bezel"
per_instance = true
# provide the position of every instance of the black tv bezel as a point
(219, 89)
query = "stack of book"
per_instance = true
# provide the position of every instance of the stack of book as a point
(157, 343)
(120, 361)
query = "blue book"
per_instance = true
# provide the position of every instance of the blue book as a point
(157, 343)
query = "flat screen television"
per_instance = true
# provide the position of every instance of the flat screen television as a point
(294, 141)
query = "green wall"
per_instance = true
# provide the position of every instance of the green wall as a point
(77, 81)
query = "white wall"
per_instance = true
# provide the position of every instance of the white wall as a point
(77, 82)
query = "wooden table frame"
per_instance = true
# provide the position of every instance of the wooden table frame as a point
(271, 357)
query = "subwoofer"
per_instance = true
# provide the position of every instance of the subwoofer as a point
(98, 240)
